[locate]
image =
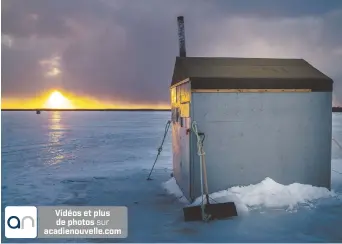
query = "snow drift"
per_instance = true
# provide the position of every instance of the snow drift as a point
(268, 194)
(173, 189)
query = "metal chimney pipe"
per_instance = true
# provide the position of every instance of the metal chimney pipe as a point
(181, 36)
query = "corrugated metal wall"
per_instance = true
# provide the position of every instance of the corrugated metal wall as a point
(251, 136)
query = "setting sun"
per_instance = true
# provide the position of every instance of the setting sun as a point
(58, 100)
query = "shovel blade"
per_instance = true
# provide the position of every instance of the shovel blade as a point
(217, 211)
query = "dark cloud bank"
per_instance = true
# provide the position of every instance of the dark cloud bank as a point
(126, 50)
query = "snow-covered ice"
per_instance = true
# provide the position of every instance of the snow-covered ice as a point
(104, 158)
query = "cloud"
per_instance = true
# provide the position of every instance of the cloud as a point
(6, 40)
(338, 51)
(47, 18)
(311, 37)
(116, 50)
(51, 66)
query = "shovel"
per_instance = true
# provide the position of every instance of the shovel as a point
(208, 211)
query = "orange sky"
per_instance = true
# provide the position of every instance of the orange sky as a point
(63, 100)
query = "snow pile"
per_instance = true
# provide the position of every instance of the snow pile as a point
(172, 188)
(267, 193)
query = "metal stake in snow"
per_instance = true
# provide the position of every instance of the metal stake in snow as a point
(167, 126)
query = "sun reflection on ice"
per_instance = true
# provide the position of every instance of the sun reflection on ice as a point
(56, 134)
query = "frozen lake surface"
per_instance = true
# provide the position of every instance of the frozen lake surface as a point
(103, 158)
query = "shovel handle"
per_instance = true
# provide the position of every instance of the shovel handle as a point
(205, 181)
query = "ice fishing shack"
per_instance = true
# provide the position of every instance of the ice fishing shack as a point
(260, 117)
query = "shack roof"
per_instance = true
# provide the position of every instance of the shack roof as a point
(249, 73)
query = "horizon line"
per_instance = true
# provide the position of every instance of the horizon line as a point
(84, 109)
(101, 109)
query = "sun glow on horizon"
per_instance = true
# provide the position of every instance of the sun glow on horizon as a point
(58, 101)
